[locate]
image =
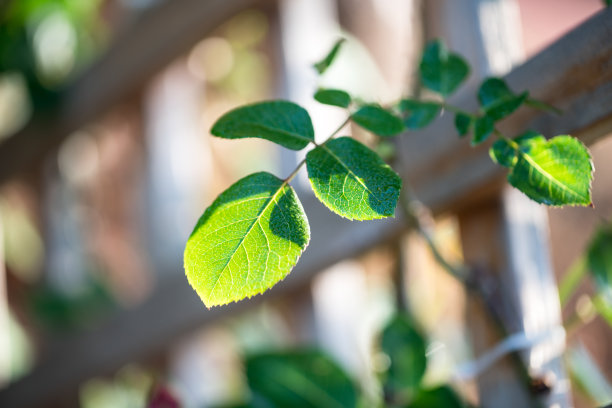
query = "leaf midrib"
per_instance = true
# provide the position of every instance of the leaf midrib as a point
(255, 221)
(278, 130)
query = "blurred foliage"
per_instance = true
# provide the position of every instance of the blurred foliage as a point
(127, 389)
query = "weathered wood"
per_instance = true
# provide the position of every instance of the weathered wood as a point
(163, 32)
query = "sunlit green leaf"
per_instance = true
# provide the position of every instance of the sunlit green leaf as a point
(418, 114)
(281, 122)
(405, 346)
(378, 120)
(463, 123)
(503, 153)
(599, 258)
(300, 379)
(352, 180)
(443, 396)
(325, 63)
(497, 100)
(334, 97)
(554, 172)
(246, 241)
(442, 71)
(483, 127)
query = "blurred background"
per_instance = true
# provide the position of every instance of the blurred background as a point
(107, 163)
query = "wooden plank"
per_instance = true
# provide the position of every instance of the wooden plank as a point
(162, 33)
(175, 309)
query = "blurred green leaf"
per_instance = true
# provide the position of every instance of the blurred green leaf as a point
(246, 241)
(554, 172)
(439, 397)
(325, 63)
(599, 258)
(503, 152)
(463, 123)
(352, 180)
(497, 100)
(572, 279)
(281, 122)
(334, 97)
(442, 71)
(299, 379)
(418, 114)
(587, 375)
(483, 127)
(378, 120)
(405, 346)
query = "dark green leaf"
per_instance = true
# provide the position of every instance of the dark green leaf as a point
(246, 241)
(418, 114)
(406, 347)
(300, 379)
(534, 103)
(378, 120)
(442, 71)
(322, 65)
(463, 123)
(352, 180)
(555, 172)
(443, 396)
(483, 127)
(497, 100)
(503, 152)
(607, 2)
(599, 258)
(334, 97)
(281, 122)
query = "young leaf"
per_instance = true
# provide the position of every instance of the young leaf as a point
(334, 97)
(503, 153)
(599, 258)
(497, 100)
(281, 122)
(322, 65)
(405, 346)
(352, 180)
(418, 114)
(483, 127)
(299, 379)
(442, 396)
(463, 123)
(442, 71)
(246, 241)
(554, 172)
(378, 120)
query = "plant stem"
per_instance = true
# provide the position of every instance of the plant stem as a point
(335, 132)
(295, 171)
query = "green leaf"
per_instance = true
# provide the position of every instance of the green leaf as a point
(599, 258)
(463, 123)
(281, 122)
(554, 172)
(334, 97)
(442, 71)
(299, 379)
(378, 120)
(442, 396)
(504, 153)
(406, 347)
(325, 63)
(246, 241)
(497, 100)
(534, 103)
(352, 180)
(418, 114)
(483, 127)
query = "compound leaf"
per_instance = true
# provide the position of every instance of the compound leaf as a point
(483, 127)
(497, 100)
(554, 172)
(299, 379)
(418, 114)
(352, 180)
(246, 241)
(442, 71)
(463, 123)
(378, 120)
(281, 122)
(405, 346)
(325, 63)
(334, 97)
